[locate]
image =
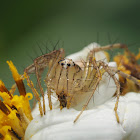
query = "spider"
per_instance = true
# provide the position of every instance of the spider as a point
(69, 81)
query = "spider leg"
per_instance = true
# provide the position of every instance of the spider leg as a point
(116, 46)
(112, 46)
(49, 96)
(30, 84)
(109, 71)
(127, 76)
(69, 98)
(89, 71)
(74, 82)
(84, 83)
(98, 76)
(39, 83)
(40, 63)
(52, 73)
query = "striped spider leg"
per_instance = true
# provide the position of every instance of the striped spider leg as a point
(101, 67)
(40, 63)
(95, 70)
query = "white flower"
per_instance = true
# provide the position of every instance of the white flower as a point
(96, 123)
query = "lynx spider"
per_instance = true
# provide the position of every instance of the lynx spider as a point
(68, 79)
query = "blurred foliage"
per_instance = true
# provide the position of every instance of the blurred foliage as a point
(25, 24)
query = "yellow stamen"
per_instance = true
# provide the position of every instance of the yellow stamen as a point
(126, 65)
(14, 71)
(15, 111)
(17, 77)
(5, 132)
(4, 89)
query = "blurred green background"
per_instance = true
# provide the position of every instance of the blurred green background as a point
(25, 24)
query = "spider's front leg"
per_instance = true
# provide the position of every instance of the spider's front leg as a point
(30, 84)
(37, 69)
(38, 76)
(53, 74)
(40, 63)
(51, 78)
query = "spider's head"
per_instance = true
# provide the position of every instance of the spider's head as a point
(66, 63)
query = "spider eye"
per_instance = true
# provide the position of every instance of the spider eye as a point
(62, 64)
(68, 65)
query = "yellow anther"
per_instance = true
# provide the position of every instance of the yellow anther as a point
(14, 71)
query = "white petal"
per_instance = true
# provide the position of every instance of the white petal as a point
(96, 124)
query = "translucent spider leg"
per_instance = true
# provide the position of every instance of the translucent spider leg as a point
(121, 46)
(52, 67)
(98, 76)
(82, 85)
(135, 80)
(115, 46)
(109, 71)
(39, 83)
(112, 46)
(74, 82)
(30, 84)
(40, 63)
(91, 71)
